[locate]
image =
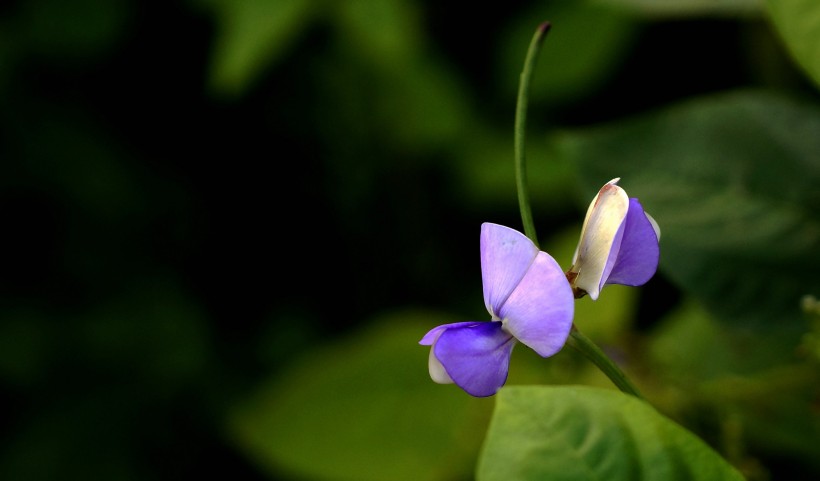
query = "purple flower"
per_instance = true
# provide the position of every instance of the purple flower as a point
(529, 300)
(619, 243)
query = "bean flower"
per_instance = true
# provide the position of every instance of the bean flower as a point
(619, 244)
(529, 300)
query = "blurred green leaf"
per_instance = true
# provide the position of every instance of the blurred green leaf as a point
(778, 410)
(387, 32)
(423, 110)
(798, 22)
(72, 155)
(62, 31)
(689, 347)
(76, 439)
(732, 181)
(706, 366)
(251, 36)
(153, 330)
(24, 346)
(581, 433)
(585, 45)
(688, 8)
(487, 173)
(364, 408)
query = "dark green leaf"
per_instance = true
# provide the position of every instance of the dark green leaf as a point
(732, 181)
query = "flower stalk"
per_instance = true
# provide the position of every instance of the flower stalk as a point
(591, 351)
(521, 128)
(576, 339)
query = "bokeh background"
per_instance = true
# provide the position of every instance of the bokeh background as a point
(226, 224)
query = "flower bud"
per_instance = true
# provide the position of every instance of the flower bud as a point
(619, 243)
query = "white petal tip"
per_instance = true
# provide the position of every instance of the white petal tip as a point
(655, 225)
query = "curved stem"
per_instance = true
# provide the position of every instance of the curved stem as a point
(577, 340)
(520, 131)
(592, 352)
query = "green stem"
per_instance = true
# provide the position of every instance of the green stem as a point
(576, 339)
(520, 130)
(592, 352)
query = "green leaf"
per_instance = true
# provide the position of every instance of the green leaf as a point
(386, 32)
(798, 23)
(732, 181)
(251, 35)
(582, 433)
(688, 8)
(364, 408)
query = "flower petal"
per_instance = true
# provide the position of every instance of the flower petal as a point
(539, 311)
(599, 236)
(476, 357)
(437, 371)
(430, 338)
(637, 259)
(506, 254)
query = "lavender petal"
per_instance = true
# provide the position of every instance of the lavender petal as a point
(539, 311)
(506, 254)
(437, 371)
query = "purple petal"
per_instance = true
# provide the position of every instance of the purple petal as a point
(437, 371)
(430, 338)
(476, 356)
(506, 254)
(539, 311)
(612, 257)
(637, 259)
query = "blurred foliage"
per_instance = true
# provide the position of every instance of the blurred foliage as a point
(689, 8)
(395, 423)
(798, 21)
(227, 224)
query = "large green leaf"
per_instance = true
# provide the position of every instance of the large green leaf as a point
(732, 181)
(364, 409)
(798, 22)
(582, 433)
